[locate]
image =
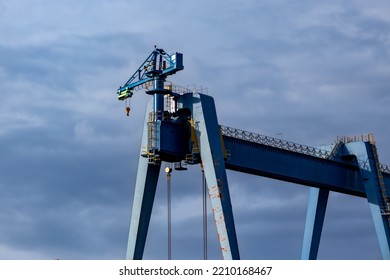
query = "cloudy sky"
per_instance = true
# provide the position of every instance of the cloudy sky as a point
(305, 71)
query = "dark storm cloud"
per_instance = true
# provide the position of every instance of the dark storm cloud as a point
(59, 192)
(63, 168)
(301, 71)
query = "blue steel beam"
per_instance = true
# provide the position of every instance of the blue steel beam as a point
(357, 176)
(144, 193)
(318, 200)
(294, 167)
(208, 134)
(368, 166)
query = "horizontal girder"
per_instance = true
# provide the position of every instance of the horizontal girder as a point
(295, 167)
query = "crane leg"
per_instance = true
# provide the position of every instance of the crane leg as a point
(318, 200)
(368, 164)
(207, 128)
(144, 193)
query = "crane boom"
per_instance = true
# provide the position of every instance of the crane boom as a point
(157, 66)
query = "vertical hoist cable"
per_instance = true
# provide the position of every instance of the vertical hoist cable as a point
(204, 199)
(168, 171)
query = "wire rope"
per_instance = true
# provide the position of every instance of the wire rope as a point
(204, 210)
(168, 171)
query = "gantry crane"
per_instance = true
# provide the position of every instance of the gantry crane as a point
(182, 128)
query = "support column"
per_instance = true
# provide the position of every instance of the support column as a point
(207, 128)
(144, 193)
(368, 167)
(318, 200)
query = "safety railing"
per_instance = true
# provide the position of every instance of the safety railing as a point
(356, 138)
(274, 142)
(182, 90)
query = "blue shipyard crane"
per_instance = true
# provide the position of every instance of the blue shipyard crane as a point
(188, 133)
(175, 134)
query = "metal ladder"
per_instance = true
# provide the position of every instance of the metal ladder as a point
(150, 151)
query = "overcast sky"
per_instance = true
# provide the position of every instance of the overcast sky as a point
(305, 71)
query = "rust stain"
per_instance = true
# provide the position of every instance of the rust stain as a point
(216, 209)
(226, 250)
(214, 192)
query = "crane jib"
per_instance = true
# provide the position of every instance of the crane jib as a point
(157, 66)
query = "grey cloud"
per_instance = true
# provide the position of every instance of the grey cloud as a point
(306, 72)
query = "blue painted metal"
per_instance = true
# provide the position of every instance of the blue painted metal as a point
(349, 170)
(144, 193)
(318, 200)
(294, 167)
(191, 133)
(155, 69)
(208, 133)
(158, 97)
(368, 166)
(316, 209)
(212, 156)
(172, 143)
(303, 166)
(323, 170)
(157, 66)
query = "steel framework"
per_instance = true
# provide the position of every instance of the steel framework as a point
(350, 166)
(181, 127)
